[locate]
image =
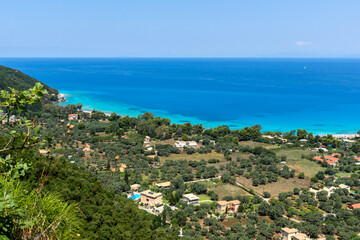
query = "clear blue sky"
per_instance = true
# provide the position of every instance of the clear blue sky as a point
(182, 28)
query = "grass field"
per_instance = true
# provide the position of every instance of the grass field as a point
(340, 174)
(295, 161)
(204, 198)
(257, 144)
(194, 157)
(228, 190)
(283, 185)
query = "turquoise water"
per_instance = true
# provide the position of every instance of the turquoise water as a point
(135, 197)
(321, 95)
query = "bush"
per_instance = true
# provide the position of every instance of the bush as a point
(267, 195)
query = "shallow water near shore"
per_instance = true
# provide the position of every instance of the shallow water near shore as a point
(320, 95)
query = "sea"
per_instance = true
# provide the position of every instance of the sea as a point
(319, 95)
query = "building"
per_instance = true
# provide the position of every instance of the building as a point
(336, 154)
(162, 185)
(300, 236)
(72, 117)
(230, 207)
(125, 136)
(180, 144)
(303, 140)
(151, 198)
(318, 159)
(192, 144)
(191, 199)
(135, 187)
(147, 139)
(12, 118)
(122, 167)
(343, 186)
(331, 163)
(354, 206)
(329, 190)
(288, 233)
(44, 152)
(87, 148)
(331, 158)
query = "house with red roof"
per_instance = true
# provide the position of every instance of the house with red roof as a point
(354, 206)
(125, 136)
(318, 159)
(331, 158)
(72, 117)
(336, 154)
(331, 163)
(357, 158)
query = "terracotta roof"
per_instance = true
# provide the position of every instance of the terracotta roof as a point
(357, 158)
(330, 162)
(355, 206)
(331, 158)
(336, 154)
(222, 203)
(235, 202)
(319, 159)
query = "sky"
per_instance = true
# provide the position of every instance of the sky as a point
(179, 28)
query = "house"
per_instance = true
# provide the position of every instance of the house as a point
(303, 140)
(329, 190)
(125, 136)
(354, 206)
(191, 199)
(331, 163)
(162, 185)
(151, 156)
(135, 187)
(192, 144)
(230, 207)
(12, 118)
(147, 139)
(72, 117)
(300, 236)
(288, 233)
(122, 167)
(318, 159)
(343, 186)
(331, 158)
(151, 198)
(180, 144)
(87, 148)
(148, 149)
(357, 158)
(44, 152)
(336, 154)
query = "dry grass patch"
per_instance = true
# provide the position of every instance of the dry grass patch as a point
(294, 161)
(283, 185)
(257, 144)
(194, 157)
(228, 190)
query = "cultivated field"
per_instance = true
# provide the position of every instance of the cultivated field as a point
(283, 185)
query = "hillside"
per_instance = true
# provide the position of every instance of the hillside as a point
(15, 79)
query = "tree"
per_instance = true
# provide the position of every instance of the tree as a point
(226, 177)
(301, 175)
(267, 195)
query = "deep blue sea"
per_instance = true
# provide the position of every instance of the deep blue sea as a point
(320, 95)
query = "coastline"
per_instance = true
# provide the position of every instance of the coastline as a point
(88, 108)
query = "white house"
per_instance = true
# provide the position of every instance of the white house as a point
(192, 144)
(180, 144)
(191, 199)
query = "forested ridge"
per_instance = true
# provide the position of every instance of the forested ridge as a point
(15, 79)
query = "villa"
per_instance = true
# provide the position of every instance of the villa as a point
(231, 206)
(191, 199)
(151, 198)
(87, 148)
(72, 117)
(331, 158)
(288, 233)
(343, 186)
(125, 136)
